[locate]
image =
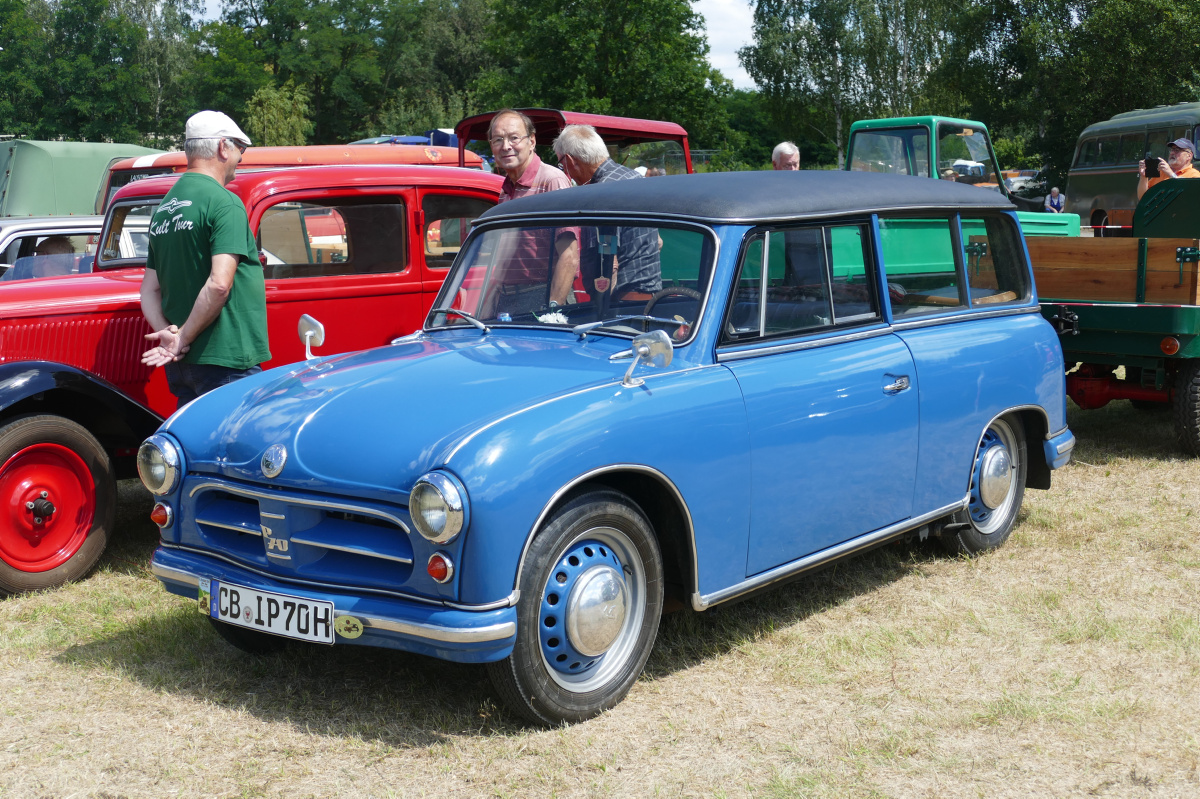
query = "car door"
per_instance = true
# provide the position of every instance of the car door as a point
(830, 393)
(345, 257)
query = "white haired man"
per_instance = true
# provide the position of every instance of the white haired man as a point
(203, 291)
(635, 273)
(785, 157)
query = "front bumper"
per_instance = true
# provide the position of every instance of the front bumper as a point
(1058, 448)
(464, 636)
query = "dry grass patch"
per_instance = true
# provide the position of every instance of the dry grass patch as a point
(1065, 664)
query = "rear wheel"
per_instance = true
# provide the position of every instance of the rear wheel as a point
(591, 598)
(1187, 407)
(1100, 224)
(57, 503)
(997, 488)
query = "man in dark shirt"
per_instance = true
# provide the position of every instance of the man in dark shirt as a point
(636, 272)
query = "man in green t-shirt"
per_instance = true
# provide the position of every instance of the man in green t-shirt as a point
(203, 292)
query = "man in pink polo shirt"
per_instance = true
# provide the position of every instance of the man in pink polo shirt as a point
(511, 135)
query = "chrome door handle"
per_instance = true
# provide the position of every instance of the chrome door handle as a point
(901, 384)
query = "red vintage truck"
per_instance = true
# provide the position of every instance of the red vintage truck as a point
(362, 248)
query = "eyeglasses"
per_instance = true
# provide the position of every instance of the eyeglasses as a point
(513, 140)
(241, 148)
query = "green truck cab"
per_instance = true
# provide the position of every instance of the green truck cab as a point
(947, 149)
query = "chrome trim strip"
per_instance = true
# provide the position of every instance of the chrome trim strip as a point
(1065, 447)
(961, 315)
(237, 528)
(351, 549)
(775, 349)
(174, 575)
(293, 500)
(336, 588)
(271, 515)
(705, 601)
(537, 525)
(453, 635)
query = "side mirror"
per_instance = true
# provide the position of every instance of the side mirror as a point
(312, 333)
(653, 349)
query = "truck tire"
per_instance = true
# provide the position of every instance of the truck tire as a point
(58, 500)
(1187, 407)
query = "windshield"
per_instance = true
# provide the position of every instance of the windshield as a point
(128, 236)
(964, 156)
(656, 157)
(628, 278)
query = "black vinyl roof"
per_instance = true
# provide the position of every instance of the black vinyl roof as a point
(756, 196)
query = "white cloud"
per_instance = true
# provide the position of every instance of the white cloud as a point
(730, 25)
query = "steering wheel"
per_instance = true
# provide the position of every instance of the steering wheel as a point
(682, 331)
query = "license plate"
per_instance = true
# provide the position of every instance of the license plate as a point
(288, 616)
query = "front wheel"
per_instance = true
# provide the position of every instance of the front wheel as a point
(591, 597)
(1187, 407)
(997, 486)
(59, 501)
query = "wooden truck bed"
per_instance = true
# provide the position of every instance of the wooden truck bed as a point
(1108, 270)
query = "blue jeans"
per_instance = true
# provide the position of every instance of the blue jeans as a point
(189, 380)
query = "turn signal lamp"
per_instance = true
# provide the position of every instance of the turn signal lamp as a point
(1169, 345)
(162, 515)
(440, 567)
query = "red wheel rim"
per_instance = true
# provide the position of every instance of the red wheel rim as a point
(50, 473)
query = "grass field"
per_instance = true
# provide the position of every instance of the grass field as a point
(1065, 664)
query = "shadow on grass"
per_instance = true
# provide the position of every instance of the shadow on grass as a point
(134, 537)
(406, 700)
(1119, 430)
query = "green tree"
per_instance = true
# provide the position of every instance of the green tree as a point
(278, 117)
(640, 58)
(25, 27)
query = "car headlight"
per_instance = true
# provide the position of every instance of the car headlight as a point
(437, 507)
(159, 464)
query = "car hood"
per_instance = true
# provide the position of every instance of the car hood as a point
(378, 419)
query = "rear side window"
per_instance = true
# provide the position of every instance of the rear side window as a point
(1133, 147)
(918, 259)
(900, 152)
(343, 237)
(800, 280)
(994, 260)
(128, 235)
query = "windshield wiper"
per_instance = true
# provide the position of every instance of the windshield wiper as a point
(588, 327)
(464, 315)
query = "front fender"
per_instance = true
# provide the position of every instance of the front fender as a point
(689, 426)
(112, 416)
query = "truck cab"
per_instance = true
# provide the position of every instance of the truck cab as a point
(947, 149)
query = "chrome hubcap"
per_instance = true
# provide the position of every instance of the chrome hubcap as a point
(596, 610)
(995, 476)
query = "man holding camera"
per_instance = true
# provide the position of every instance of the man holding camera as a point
(1152, 171)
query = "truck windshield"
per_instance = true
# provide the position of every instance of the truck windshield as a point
(548, 275)
(964, 156)
(898, 151)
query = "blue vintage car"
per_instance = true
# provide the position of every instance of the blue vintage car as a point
(692, 386)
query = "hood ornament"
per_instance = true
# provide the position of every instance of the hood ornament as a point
(273, 460)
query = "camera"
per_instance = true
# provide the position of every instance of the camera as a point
(1152, 165)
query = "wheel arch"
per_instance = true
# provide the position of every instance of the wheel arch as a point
(42, 387)
(1035, 424)
(658, 498)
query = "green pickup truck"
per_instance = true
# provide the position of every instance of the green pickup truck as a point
(1117, 303)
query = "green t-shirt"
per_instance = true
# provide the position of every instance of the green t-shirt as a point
(197, 219)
